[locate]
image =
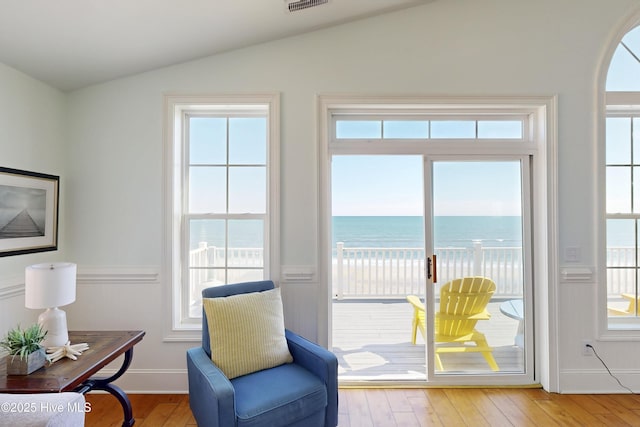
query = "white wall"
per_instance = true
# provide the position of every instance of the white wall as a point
(32, 137)
(113, 179)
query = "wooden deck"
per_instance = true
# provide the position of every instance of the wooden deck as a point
(372, 340)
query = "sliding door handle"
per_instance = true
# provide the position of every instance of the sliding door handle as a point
(432, 270)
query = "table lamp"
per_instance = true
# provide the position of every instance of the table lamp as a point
(50, 286)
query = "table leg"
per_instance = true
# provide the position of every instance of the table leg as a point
(104, 384)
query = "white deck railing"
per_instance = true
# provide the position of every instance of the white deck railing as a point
(207, 263)
(397, 272)
(620, 271)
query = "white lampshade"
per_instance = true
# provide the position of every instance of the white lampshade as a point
(50, 285)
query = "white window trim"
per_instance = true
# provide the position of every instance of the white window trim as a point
(176, 326)
(542, 128)
(614, 328)
(604, 333)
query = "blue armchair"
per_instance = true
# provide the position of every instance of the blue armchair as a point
(303, 393)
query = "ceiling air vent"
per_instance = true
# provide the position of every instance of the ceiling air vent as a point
(294, 6)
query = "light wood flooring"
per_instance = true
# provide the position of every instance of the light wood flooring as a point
(410, 407)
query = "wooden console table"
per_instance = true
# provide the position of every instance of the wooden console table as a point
(77, 375)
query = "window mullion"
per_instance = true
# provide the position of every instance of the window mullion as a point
(227, 200)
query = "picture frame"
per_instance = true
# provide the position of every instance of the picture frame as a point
(28, 212)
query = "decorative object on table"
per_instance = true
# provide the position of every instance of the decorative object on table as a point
(24, 346)
(70, 351)
(32, 198)
(51, 286)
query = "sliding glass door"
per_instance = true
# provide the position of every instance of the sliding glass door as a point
(477, 294)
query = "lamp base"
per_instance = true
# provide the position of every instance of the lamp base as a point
(54, 321)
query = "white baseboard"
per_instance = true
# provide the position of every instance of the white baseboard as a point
(598, 381)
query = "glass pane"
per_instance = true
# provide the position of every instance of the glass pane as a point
(636, 189)
(247, 190)
(620, 242)
(618, 140)
(378, 259)
(206, 245)
(207, 140)
(207, 189)
(239, 276)
(406, 129)
(200, 279)
(206, 250)
(246, 233)
(207, 233)
(620, 291)
(246, 244)
(453, 129)
(500, 129)
(351, 129)
(621, 266)
(636, 140)
(478, 232)
(635, 244)
(248, 141)
(618, 189)
(624, 68)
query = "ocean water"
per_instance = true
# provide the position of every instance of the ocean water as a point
(408, 231)
(379, 231)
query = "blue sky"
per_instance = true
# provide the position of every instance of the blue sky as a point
(393, 185)
(624, 69)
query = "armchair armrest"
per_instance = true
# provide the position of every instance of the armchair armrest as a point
(211, 394)
(323, 364)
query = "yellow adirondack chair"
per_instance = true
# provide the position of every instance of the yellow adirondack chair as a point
(631, 308)
(462, 303)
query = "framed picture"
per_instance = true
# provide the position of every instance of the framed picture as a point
(28, 212)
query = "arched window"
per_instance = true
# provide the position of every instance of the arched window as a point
(623, 183)
(624, 71)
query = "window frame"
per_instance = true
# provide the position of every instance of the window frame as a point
(625, 105)
(180, 326)
(624, 330)
(539, 139)
(497, 115)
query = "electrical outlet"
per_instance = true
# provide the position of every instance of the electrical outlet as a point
(587, 351)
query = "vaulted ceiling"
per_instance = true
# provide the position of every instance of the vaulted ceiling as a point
(71, 44)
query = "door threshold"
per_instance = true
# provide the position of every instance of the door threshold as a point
(422, 384)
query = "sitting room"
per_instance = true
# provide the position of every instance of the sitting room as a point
(359, 160)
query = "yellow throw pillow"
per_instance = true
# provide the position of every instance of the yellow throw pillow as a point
(247, 332)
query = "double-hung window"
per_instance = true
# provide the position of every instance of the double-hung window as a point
(623, 208)
(622, 167)
(222, 161)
